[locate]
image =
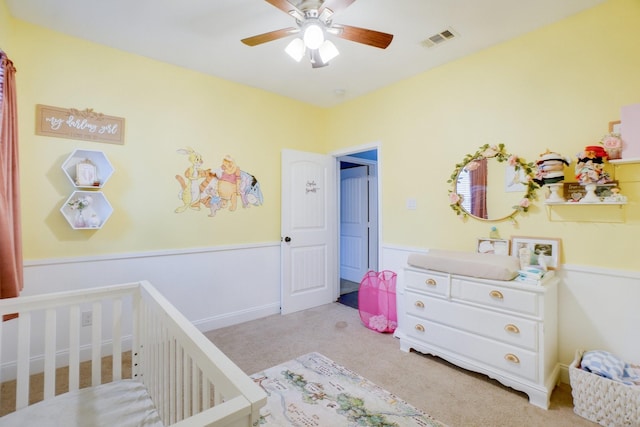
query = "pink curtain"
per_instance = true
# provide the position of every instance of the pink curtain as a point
(478, 178)
(11, 280)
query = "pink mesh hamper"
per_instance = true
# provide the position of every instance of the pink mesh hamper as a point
(377, 301)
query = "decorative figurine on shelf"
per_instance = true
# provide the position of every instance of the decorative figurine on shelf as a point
(590, 165)
(494, 234)
(94, 221)
(615, 196)
(78, 205)
(590, 171)
(550, 172)
(612, 143)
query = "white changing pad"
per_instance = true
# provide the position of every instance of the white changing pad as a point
(122, 403)
(485, 266)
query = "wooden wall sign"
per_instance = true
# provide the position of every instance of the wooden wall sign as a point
(86, 125)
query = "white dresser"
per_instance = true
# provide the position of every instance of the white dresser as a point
(505, 330)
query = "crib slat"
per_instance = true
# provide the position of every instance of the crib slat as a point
(186, 390)
(50, 354)
(172, 382)
(116, 339)
(162, 372)
(74, 347)
(24, 342)
(179, 382)
(206, 394)
(194, 385)
(96, 343)
(137, 332)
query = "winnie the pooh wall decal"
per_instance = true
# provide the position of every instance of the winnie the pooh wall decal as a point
(216, 189)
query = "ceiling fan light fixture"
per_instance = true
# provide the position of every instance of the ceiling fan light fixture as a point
(313, 35)
(328, 51)
(295, 49)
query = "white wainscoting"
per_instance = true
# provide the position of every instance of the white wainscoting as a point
(220, 286)
(598, 308)
(213, 287)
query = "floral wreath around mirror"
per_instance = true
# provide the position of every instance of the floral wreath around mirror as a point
(498, 152)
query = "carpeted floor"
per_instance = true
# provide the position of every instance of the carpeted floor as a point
(452, 395)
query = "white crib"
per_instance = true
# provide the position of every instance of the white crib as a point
(189, 381)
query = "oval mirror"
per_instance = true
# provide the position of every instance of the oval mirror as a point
(492, 185)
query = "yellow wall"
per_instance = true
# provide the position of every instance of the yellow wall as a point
(165, 108)
(5, 27)
(555, 88)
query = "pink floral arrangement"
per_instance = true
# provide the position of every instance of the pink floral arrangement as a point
(611, 141)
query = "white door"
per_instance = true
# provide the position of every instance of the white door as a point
(354, 223)
(309, 231)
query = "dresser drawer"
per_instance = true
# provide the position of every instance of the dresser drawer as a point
(427, 281)
(509, 329)
(516, 300)
(501, 356)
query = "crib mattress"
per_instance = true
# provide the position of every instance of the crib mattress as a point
(122, 403)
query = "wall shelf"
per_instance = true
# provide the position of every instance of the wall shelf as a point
(625, 161)
(96, 174)
(607, 212)
(94, 215)
(584, 204)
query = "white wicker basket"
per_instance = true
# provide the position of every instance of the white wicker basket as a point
(601, 400)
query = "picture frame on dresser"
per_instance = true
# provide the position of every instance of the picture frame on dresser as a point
(493, 246)
(537, 247)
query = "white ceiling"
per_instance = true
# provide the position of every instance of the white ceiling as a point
(204, 35)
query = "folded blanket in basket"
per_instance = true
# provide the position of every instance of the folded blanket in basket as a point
(609, 366)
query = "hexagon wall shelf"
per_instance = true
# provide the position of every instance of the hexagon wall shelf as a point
(87, 168)
(93, 216)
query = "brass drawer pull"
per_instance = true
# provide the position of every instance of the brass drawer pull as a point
(496, 295)
(419, 327)
(419, 304)
(430, 282)
(509, 357)
(512, 328)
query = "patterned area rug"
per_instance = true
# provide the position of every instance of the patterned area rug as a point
(313, 390)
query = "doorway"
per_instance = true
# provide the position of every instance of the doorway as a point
(358, 221)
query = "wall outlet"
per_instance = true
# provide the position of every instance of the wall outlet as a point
(86, 318)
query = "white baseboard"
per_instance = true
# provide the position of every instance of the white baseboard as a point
(564, 374)
(234, 318)
(8, 370)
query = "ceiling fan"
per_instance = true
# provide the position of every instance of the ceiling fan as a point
(314, 19)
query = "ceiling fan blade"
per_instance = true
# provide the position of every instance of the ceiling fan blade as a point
(286, 7)
(270, 36)
(364, 36)
(335, 5)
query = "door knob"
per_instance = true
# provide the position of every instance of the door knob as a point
(287, 239)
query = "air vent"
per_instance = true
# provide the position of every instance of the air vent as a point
(439, 38)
